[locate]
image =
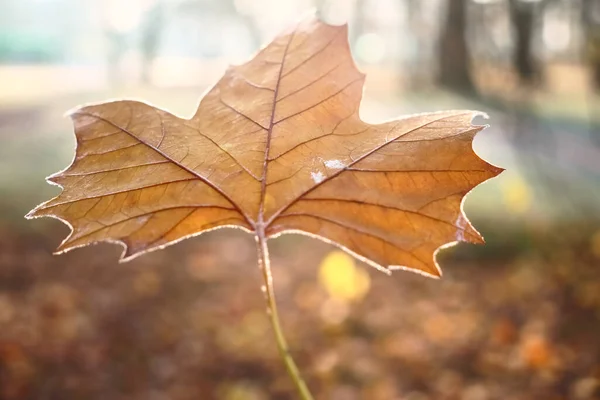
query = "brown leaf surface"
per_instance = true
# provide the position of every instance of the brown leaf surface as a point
(276, 146)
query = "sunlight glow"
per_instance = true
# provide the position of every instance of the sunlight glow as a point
(370, 47)
(341, 278)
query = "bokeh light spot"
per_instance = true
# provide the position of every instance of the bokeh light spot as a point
(370, 48)
(595, 244)
(341, 278)
(517, 194)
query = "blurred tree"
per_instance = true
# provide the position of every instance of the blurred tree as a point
(591, 24)
(523, 14)
(223, 10)
(151, 28)
(454, 57)
(417, 66)
(359, 21)
(117, 45)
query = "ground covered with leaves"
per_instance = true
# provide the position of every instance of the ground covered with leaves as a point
(518, 319)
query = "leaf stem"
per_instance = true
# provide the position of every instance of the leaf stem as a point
(265, 267)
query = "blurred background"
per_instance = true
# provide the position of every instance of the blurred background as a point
(516, 319)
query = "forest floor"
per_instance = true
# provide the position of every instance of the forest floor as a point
(516, 319)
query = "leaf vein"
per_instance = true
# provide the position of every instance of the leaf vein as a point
(383, 206)
(360, 78)
(191, 171)
(121, 191)
(119, 169)
(352, 228)
(328, 178)
(238, 112)
(316, 53)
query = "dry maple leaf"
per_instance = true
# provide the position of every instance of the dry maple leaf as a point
(276, 146)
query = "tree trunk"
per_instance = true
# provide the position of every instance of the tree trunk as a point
(522, 16)
(454, 58)
(591, 16)
(151, 31)
(415, 69)
(357, 28)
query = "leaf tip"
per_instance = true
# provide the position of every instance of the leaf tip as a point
(474, 237)
(128, 253)
(67, 244)
(71, 113)
(37, 212)
(481, 114)
(59, 250)
(125, 257)
(436, 274)
(31, 214)
(54, 179)
(498, 170)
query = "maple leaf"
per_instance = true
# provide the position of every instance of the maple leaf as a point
(276, 146)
